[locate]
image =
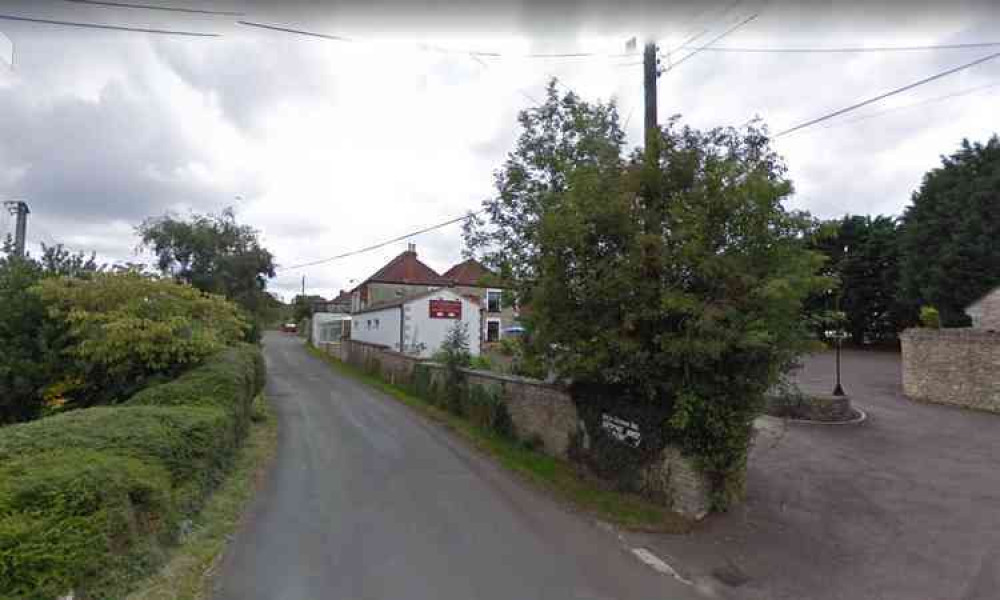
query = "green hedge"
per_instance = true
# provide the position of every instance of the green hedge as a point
(89, 498)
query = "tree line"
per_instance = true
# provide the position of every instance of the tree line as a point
(942, 252)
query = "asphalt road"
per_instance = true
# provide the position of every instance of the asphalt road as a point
(368, 501)
(905, 506)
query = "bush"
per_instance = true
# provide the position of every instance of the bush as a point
(124, 328)
(68, 515)
(930, 317)
(487, 410)
(89, 497)
(230, 381)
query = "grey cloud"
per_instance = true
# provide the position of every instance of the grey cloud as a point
(119, 157)
(250, 74)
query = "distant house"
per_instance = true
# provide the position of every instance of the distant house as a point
(417, 324)
(340, 304)
(471, 278)
(985, 312)
(402, 277)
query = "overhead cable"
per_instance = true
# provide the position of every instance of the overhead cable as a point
(106, 26)
(898, 90)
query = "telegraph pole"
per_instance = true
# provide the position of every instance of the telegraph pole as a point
(20, 211)
(650, 73)
(303, 288)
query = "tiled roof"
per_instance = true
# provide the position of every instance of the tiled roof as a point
(406, 268)
(467, 273)
(400, 301)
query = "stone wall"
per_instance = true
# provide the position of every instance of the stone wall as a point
(952, 366)
(545, 411)
(391, 366)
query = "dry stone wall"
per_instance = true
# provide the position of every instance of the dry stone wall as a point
(952, 366)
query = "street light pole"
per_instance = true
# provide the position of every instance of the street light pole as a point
(838, 390)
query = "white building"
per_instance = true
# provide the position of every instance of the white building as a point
(329, 327)
(418, 324)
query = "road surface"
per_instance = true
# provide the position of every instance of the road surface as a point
(368, 501)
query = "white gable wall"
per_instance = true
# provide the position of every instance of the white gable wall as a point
(420, 328)
(985, 312)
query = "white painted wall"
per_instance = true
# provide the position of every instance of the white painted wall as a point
(420, 328)
(377, 327)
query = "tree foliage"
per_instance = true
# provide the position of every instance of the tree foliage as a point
(674, 288)
(949, 242)
(31, 342)
(213, 253)
(124, 328)
(863, 257)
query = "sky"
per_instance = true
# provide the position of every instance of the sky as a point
(326, 146)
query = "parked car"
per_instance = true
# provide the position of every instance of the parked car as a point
(290, 328)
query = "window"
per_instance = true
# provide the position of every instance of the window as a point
(376, 323)
(331, 332)
(493, 301)
(493, 330)
(369, 323)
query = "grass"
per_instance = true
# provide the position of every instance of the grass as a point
(188, 572)
(560, 478)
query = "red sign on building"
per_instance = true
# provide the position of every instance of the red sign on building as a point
(446, 309)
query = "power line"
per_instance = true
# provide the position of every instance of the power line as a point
(880, 113)
(434, 48)
(104, 26)
(698, 49)
(887, 94)
(337, 38)
(155, 7)
(382, 244)
(712, 41)
(849, 50)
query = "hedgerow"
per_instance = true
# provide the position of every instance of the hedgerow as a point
(89, 498)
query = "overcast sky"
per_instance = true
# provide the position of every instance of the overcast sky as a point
(328, 146)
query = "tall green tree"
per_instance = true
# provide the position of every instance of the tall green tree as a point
(950, 242)
(678, 298)
(863, 256)
(32, 344)
(214, 253)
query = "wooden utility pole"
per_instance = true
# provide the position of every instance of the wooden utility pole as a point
(21, 212)
(303, 288)
(650, 73)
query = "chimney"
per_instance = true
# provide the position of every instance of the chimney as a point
(411, 247)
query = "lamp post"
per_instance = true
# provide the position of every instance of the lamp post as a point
(838, 390)
(838, 334)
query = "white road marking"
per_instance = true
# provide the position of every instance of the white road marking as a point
(658, 565)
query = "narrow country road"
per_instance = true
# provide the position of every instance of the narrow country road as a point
(368, 501)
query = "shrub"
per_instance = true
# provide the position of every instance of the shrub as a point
(481, 362)
(68, 516)
(486, 409)
(422, 381)
(230, 381)
(930, 317)
(124, 328)
(89, 497)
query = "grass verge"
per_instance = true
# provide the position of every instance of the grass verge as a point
(188, 572)
(558, 477)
